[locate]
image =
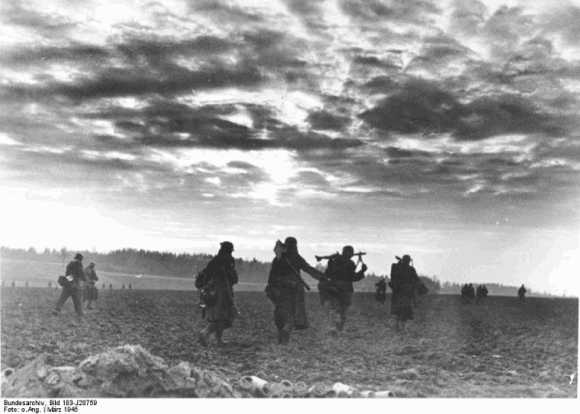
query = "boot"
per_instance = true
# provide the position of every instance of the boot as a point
(218, 336)
(203, 336)
(283, 336)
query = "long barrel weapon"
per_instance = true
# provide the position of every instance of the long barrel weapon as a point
(279, 249)
(332, 256)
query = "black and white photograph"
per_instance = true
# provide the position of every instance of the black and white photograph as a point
(302, 199)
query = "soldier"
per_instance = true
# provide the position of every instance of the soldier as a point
(129, 286)
(286, 288)
(74, 289)
(110, 286)
(91, 292)
(471, 292)
(103, 286)
(219, 276)
(341, 273)
(404, 282)
(49, 284)
(381, 290)
(522, 295)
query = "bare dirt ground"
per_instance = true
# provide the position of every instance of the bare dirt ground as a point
(489, 349)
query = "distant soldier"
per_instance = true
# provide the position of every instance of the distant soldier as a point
(464, 293)
(13, 283)
(123, 287)
(522, 295)
(91, 292)
(341, 273)
(129, 286)
(103, 286)
(49, 284)
(286, 289)
(218, 279)
(471, 292)
(404, 282)
(381, 290)
(74, 288)
(110, 286)
(26, 284)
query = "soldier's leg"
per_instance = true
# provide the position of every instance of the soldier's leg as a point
(62, 299)
(345, 302)
(203, 336)
(335, 311)
(77, 298)
(283, 317)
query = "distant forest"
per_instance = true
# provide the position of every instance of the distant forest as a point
(188, 265)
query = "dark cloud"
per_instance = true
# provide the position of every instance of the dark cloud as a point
(39, 55)
(225, 12)
(116, 82)
(419, 106)
(395, 152)
(311, 178)
(48, 24)
(413, 11)
(326, 120)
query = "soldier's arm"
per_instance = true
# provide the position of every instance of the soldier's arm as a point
(354, 275)
(81, 273)
(234, 275)
(315, 273)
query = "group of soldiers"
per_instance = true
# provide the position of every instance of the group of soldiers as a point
(286, 289)
(79, 284)
(469, 293)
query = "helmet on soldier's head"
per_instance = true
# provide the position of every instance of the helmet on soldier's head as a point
(227, 246)
(92, 264)
(78, 256)
(406, 259)
(291, 242)
(347, 250)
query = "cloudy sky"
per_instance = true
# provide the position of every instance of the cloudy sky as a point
(447, 130)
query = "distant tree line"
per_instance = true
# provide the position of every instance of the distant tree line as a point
(187, 265)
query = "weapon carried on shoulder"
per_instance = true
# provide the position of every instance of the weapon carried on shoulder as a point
(279, 249)
(332, 256)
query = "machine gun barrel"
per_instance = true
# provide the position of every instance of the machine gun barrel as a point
(319, 258)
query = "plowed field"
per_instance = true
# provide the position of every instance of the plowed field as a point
(488, 349)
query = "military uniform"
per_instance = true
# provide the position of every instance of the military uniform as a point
(91, 292)
(221, 275)
(522, 295)
(289, 296)
(75, 289)
(381, 291)
(404, 282)
(341, 274)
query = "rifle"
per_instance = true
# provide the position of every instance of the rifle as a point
(297, 274)
(279, 249)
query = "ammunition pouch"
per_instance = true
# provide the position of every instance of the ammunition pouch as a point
(65, 281)
(333, 287)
